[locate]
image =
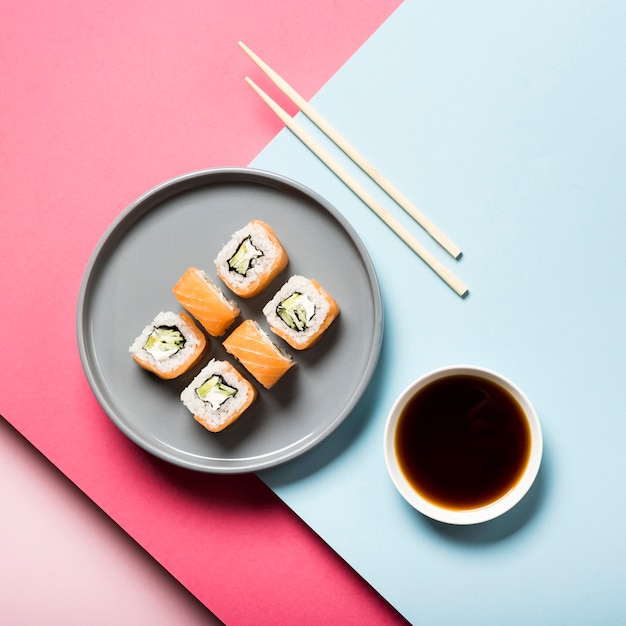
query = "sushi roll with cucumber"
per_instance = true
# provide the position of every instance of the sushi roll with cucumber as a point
(300, 312)
(218, 395)
(251, 259)
(170, 345)
(252, 347)
(197, 293)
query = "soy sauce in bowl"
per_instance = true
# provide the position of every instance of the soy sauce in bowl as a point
(463, 442)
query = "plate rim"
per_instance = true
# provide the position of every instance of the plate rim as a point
(171, 187)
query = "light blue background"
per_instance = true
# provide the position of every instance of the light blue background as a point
(506, 124)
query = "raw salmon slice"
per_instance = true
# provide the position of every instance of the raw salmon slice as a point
(197, 293)
(251, 346)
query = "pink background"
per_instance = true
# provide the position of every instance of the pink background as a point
(99, 103)
(65, 562)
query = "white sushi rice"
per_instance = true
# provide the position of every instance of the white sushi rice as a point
(302, 285)
(170, 363)
(214, 418)
(259, 266)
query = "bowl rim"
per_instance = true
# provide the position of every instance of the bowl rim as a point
(465, 516)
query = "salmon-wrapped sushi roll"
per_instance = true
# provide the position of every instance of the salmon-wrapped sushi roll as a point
(300, 312)
(197, 293)
(169, 346)
(218, 395)
(251, 346)
(251, 259)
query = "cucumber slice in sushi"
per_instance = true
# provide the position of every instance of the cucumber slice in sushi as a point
(215, 391)
(241, 261)
(296, 311)
(164, 342)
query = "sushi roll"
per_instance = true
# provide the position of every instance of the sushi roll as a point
(169, 346)
(218, 395)
(251, 259)
(197, 293)
(300, 312)
(251, 346)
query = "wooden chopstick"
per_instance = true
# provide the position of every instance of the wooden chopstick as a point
(443, 272)
(443, 240)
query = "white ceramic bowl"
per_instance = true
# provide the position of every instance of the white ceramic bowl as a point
(464, 516)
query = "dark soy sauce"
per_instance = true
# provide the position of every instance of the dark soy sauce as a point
(462, 442)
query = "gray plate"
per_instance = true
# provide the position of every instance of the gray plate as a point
(182, 223)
